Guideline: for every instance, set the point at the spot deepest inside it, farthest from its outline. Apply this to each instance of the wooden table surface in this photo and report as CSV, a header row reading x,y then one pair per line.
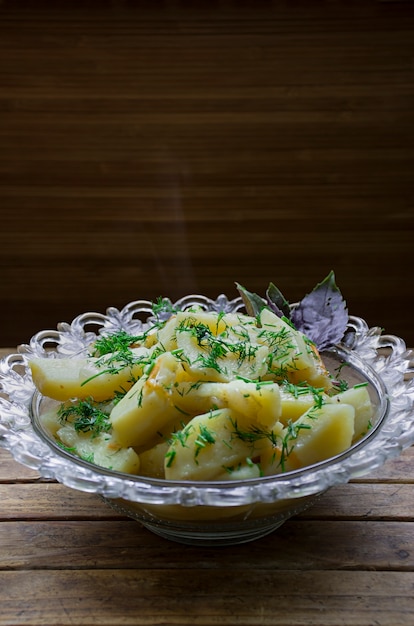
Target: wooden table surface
x,y
66,558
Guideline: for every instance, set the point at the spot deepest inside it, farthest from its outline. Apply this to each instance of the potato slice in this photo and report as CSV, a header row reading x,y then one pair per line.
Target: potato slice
x,y
217,351
316,375
166,335
243,471
287,349
259,402
148,406
152,460
66,378
101,450
291,355
206,448
318,434
293,406
360,399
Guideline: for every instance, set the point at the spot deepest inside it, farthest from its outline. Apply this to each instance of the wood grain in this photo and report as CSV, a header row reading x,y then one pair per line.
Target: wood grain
x,y
323,598
349,502
298,545
152,149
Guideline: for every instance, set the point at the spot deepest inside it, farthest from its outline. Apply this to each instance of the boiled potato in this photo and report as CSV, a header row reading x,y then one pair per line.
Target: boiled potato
x,y
214,350
166,335
102,450
293,405
66,378
291,356
320,433
152,460
260,401
148,406
207,447
316,375
208,396
360,399
242,471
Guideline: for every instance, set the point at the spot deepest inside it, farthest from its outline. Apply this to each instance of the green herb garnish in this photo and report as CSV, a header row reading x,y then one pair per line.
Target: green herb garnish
x,y
115,342
85,417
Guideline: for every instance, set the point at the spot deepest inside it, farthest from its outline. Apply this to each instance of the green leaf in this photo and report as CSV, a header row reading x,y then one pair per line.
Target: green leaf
x,y
253,303
277,302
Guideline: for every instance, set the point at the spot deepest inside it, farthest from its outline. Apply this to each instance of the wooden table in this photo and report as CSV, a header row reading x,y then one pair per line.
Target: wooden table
x,y
66,558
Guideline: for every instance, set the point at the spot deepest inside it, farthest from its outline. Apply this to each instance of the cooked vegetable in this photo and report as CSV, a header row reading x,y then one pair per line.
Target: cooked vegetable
x,y
100,378
207,395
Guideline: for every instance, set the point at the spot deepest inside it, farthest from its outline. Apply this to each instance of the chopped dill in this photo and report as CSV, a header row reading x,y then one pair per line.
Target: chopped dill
x,y
177,437
340,385
170,456
70,449
118,361
204,438
181,410
115,342
281,442
85,417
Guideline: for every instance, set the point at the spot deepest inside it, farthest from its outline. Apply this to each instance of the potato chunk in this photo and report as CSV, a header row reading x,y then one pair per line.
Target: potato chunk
x,y
291,355
206,448
259,401
320,433
216,350
66,378
152,460
102,450
148,406
293,405
360,399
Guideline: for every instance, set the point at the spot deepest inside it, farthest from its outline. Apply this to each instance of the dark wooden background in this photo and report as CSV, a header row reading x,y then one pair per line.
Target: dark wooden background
x,y
166,147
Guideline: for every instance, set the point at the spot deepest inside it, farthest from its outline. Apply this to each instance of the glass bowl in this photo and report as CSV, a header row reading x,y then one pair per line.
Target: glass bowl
x,y
219,512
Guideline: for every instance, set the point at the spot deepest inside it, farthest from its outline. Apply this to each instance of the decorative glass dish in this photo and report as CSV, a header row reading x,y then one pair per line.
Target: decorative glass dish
x,y
215,512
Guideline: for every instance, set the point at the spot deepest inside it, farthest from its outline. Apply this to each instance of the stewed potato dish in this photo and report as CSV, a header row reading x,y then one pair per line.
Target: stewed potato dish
x,y
202,396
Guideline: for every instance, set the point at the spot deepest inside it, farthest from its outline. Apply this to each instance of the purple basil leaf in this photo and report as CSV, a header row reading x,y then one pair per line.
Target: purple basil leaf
x,y
253,303
322,314
277,302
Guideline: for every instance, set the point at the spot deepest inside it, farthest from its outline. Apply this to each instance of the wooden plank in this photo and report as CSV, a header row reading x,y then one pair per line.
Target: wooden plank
x,y
173,9
79,207
267,98
297,545
152,596
359,501
355,501
51,501
5,351
11,471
